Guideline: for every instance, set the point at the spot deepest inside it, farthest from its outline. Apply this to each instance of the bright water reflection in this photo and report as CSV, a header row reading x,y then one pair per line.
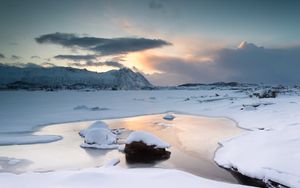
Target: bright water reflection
x,y
194,140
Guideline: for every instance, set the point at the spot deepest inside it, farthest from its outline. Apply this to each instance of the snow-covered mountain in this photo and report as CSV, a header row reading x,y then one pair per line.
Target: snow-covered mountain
x,y
12,77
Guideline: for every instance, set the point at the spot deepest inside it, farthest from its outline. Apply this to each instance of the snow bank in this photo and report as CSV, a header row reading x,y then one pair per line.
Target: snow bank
x,y
267,155
147,138
28,139
112,177
96,125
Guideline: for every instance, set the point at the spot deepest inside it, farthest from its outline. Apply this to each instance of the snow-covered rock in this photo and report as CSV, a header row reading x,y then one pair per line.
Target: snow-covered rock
x,y
169,117
271,156
147,138
100,136
266,93
95,125
248,108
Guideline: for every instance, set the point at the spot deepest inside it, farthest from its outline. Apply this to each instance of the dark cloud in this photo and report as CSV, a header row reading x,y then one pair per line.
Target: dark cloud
x,y
114,64
96,64
125,45
2,56
248,63
15,57
257,64
35,57
179,71
154,4
47,59
104,46
76,57
70,40
23,64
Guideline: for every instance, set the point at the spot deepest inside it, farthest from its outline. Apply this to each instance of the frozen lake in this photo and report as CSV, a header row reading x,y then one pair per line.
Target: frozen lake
x,y
194,140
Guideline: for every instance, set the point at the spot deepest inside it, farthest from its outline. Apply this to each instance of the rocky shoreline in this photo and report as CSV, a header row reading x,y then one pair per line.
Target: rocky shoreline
x,y
246,180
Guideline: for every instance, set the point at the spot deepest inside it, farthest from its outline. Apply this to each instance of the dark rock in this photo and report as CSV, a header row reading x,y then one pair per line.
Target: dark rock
x,y
246,180
139,152
267,94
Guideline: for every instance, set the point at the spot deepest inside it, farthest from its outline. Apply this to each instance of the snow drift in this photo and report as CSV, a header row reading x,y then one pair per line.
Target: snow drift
x,y
112,177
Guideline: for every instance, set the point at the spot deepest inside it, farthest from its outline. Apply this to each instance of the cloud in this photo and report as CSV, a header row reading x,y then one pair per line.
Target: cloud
x,y
15,57
103,46
153,4
114,64
23,65
35,57
118,58
257,64
176,71
96,64
76,57
2,56
247,63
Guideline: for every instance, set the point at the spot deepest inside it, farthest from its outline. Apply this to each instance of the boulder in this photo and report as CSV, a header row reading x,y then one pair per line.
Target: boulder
x,y
145,147
139,152
270,93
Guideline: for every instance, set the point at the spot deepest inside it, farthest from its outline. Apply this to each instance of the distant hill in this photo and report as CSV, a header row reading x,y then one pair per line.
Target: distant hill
x,y
232,84
218,84
37,77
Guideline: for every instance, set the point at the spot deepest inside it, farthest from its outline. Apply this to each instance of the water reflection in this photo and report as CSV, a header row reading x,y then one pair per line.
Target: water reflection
x,y
194,140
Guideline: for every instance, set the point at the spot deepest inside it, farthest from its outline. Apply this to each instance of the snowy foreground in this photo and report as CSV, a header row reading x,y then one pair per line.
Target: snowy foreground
x,y
110,177
269,152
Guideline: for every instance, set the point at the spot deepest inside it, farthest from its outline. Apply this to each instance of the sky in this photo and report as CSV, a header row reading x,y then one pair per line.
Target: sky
x,y
170,41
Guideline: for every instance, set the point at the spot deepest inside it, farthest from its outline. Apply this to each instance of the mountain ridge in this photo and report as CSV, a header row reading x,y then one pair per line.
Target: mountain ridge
x,y
37,77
